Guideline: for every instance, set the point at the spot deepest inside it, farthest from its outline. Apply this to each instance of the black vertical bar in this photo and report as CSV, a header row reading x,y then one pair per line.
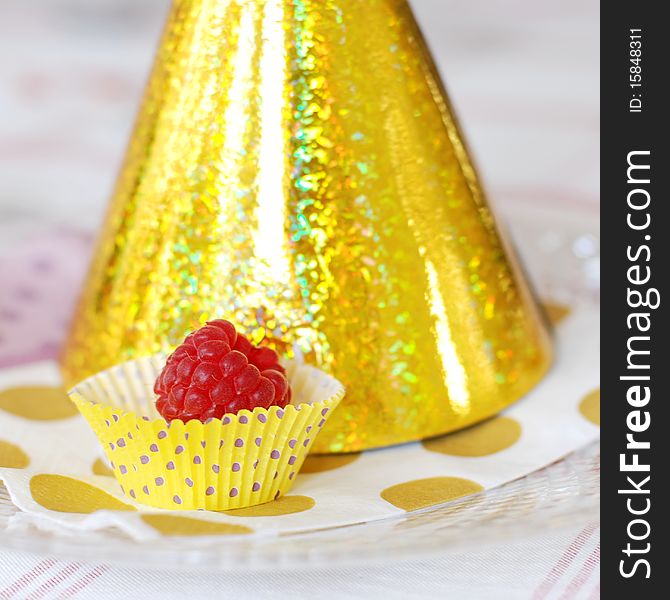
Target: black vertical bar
x,y
634,385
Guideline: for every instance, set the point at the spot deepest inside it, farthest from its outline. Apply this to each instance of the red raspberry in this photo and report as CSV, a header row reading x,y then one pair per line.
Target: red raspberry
x,y
217,371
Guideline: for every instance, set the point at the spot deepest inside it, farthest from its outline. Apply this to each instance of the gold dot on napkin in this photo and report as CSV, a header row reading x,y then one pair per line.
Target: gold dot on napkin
x,y
174,525
12,456
421,493
285,505
39,403
590,406
100,468
483,439
317,463
555,312
65,494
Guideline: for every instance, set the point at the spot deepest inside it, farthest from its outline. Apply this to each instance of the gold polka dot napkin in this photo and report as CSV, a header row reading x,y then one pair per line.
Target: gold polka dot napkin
x,y
54,469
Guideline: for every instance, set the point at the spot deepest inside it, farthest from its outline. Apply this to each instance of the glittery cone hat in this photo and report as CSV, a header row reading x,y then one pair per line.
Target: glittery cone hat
x,y
296,168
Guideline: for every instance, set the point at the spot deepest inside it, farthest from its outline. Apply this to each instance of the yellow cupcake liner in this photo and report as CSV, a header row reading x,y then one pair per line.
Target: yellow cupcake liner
x,y
240,460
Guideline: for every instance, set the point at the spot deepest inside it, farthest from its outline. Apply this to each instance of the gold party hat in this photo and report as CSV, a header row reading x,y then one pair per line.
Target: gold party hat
x,y
296,168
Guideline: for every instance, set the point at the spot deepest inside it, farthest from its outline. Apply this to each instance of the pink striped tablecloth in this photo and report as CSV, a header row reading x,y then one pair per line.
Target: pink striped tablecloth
x,y
551,567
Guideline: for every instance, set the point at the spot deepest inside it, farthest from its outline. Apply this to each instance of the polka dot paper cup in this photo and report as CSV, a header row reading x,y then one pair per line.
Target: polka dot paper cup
x,y
234,462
